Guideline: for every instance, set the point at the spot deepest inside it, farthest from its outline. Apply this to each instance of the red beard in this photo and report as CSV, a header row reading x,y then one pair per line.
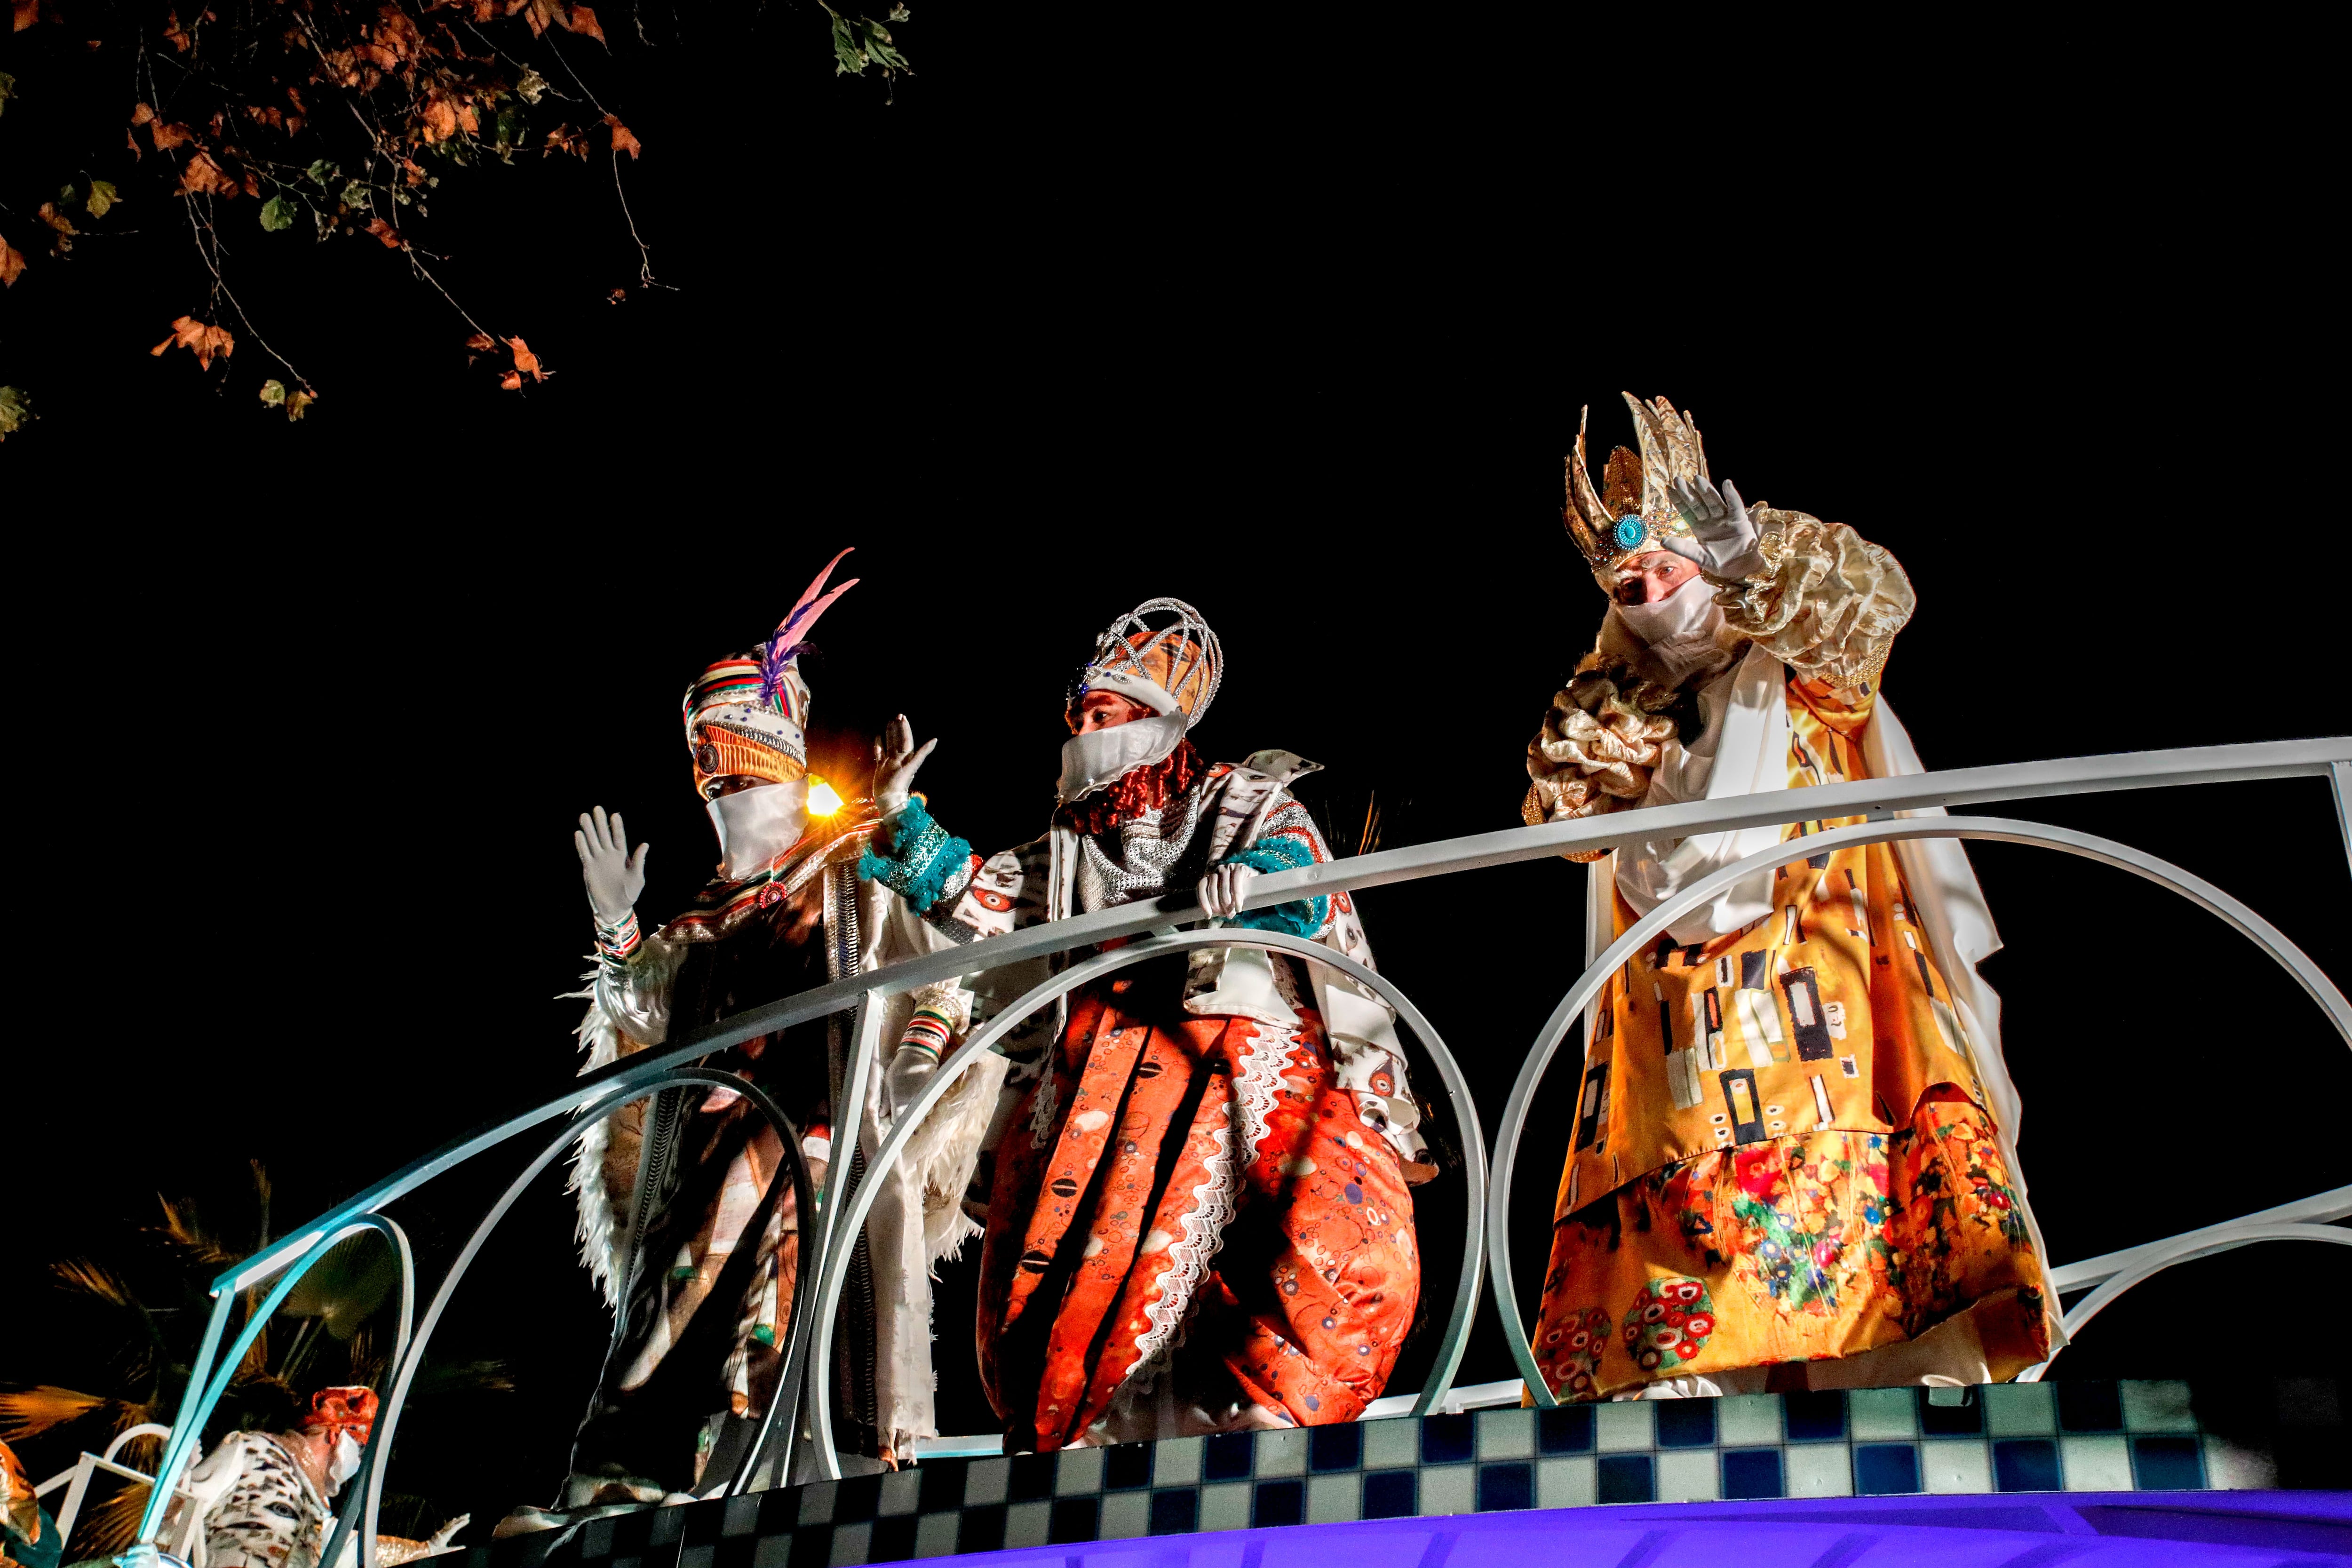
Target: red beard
x,y
1137,791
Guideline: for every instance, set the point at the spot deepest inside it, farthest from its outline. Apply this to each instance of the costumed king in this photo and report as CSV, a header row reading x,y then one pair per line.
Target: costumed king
x,y
686,1214
1198,1217
1793,1163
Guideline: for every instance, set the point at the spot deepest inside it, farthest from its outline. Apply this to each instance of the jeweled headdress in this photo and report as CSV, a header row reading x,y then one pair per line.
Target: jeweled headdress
x,y
747,715
1633,512
1170,667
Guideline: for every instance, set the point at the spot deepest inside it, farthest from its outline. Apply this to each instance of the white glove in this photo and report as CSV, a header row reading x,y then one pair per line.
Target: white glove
x,y
896,759
1224,888
909,1069
614,877
1722,541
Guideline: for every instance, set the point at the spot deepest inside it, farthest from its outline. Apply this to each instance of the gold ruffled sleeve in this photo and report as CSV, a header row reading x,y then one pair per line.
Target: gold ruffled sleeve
x,y
1827,604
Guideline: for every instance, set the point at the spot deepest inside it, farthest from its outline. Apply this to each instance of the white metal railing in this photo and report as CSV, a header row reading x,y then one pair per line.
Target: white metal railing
x,y
1878,800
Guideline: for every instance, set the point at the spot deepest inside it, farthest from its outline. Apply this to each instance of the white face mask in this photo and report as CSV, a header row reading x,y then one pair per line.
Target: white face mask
x,y
343,1463
1689,611
757,825
1093,758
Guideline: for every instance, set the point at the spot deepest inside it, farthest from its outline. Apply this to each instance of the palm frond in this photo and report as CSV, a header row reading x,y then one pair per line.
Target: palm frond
x,y
113,1525
29,1412
183,1229
85,1277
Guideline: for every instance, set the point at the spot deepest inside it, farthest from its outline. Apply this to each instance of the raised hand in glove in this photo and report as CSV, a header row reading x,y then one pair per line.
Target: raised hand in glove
x,y
897,758
1722,540
613,876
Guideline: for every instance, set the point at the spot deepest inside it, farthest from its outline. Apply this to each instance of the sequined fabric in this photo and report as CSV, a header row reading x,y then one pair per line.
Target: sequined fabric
x,y
1829,603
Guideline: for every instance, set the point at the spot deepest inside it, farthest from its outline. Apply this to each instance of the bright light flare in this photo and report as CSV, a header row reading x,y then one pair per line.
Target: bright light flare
x,y
824,800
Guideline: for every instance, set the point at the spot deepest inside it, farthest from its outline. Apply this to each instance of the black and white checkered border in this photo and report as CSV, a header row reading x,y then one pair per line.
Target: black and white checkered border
x,y
2082,1436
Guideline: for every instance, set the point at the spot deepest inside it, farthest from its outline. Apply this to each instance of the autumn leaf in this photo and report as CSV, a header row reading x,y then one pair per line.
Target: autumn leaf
x,y
273,393
12,263
28,13
526,361
279,212
564,139
385,232
440,121
102,195
510,382
50,215
168,136
173,34
481,342
622,142
15,410
7,89
581,19
617,296
202,340
140,114
204,177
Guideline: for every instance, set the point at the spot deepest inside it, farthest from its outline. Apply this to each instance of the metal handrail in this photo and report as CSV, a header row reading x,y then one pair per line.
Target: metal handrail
x,y
1877,798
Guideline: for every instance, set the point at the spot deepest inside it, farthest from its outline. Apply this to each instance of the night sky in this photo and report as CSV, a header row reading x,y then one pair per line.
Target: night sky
x,y
312,709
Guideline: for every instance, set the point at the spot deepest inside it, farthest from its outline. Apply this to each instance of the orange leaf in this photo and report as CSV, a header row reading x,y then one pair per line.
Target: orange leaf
x,y
440,121
171,135
617,296
581,19
173,33
622,141
385,232
12,263
564,139
206,177
133,143
510,382
204,341
481,342
525,360
28,13
50,215
140,114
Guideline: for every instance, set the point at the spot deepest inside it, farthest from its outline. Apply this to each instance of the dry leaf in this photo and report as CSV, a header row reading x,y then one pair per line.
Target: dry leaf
x,y
50,215
28,13
622,142
582,20
168,136
510,382
12,262
564,139
481,342
385,232
525,360
617,296
201,339
173,34
140,114
207,178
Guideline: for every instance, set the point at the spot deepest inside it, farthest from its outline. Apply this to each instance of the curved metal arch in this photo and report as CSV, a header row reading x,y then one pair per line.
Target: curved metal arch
x,y
371,1471
1457,1090
1989,828
205,1391
2186,1249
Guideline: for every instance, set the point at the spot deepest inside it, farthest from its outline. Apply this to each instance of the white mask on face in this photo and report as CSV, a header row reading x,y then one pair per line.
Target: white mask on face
x,y
1679,631
343,1463
757,825
1093,758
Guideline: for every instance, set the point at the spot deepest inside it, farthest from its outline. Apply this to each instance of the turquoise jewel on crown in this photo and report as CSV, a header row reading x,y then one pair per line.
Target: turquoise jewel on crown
x,y
1631,531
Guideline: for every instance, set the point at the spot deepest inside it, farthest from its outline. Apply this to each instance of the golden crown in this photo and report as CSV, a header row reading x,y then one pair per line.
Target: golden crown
x,y
1633,511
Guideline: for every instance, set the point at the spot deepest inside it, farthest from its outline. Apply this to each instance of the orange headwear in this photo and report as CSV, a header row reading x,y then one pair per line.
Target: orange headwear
x,y
747,715
1169,668
334,1411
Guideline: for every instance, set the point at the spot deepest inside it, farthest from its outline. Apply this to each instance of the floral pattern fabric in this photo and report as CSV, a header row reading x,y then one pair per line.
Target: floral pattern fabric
x,y
1787,1121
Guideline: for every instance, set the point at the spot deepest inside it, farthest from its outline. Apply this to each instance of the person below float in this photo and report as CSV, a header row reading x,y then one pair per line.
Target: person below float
x,y
1198,1219
712,1244
1792,1164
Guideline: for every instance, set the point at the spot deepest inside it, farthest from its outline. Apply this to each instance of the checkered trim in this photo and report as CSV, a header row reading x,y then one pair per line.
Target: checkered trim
x,y
2077,1437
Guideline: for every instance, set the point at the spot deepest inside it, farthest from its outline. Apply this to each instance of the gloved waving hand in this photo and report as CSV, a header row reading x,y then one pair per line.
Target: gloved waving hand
x,y
613,876
896,759
1722,540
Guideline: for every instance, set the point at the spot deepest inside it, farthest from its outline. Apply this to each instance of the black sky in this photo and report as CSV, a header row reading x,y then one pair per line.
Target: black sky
x,y
1295,328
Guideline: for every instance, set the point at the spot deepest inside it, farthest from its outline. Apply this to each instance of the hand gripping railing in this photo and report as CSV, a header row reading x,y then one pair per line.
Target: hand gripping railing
x,y
601,1092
